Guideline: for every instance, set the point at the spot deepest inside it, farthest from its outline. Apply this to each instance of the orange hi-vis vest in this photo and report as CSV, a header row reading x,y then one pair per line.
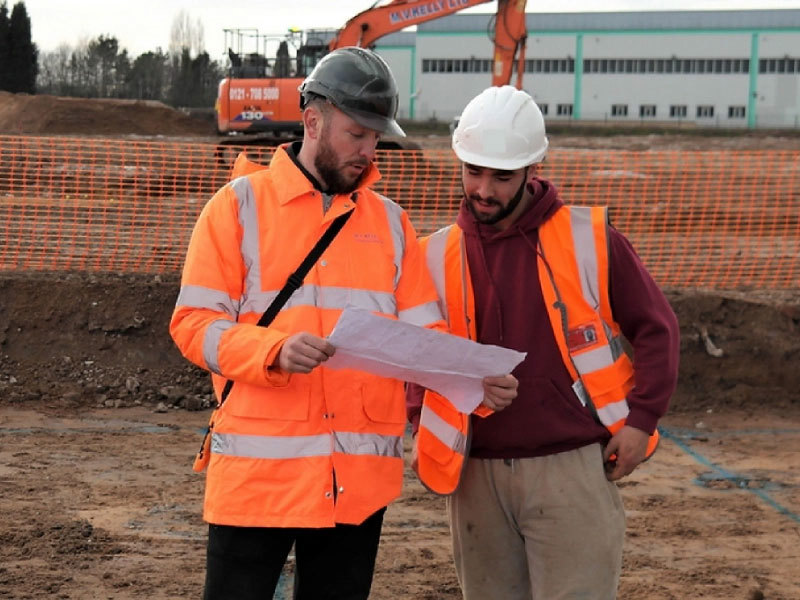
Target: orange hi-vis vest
x,y
298,450
573,273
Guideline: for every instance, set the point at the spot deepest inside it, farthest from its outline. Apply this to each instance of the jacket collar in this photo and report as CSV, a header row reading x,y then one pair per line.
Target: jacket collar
x,y
296,181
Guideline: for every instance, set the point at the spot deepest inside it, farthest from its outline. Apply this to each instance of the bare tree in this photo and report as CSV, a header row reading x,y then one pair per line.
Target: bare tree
x,y
186,34
55,73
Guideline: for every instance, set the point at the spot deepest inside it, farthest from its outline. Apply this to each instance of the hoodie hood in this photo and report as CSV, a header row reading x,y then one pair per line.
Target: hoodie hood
x,y
541,207
498,259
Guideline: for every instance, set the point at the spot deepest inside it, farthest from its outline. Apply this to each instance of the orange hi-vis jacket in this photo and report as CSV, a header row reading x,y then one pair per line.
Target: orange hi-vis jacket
x,y
298,450
573,273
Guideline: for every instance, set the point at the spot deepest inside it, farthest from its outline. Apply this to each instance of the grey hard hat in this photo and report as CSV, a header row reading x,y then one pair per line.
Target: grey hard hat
x,y
359,83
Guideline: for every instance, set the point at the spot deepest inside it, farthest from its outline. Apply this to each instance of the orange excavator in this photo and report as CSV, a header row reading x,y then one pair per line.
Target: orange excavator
x,y
261,95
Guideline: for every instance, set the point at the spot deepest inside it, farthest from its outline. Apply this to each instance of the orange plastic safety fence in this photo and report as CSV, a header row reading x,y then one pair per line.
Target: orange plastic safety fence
x,y
710,219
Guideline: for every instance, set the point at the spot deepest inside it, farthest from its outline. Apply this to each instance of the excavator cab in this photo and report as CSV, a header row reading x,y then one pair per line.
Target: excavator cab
x,y
260,96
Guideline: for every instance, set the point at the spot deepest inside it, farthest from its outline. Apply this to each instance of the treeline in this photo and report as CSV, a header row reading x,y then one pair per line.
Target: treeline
x,y
183,76
18,54
100,69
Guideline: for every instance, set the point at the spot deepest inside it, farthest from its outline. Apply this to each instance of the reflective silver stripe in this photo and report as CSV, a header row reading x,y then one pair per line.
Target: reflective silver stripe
x,y
615,344
434,255
325,297
443,431
211,343
303,446
394,214
202,297
248,220
422,315
262,446
611,413
368,443
585,254
593,360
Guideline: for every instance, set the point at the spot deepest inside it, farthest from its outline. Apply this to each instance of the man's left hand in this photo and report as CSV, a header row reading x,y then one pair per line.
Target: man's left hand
x,y
629,447
499,391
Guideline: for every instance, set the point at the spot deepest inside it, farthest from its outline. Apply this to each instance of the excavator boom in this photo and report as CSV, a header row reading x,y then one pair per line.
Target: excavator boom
x,y
368,26
266,98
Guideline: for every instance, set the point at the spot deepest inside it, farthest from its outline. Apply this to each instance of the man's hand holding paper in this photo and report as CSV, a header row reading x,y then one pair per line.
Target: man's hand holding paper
x,y
454,367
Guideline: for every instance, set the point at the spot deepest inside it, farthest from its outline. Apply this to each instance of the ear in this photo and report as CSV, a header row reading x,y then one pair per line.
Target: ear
x,y
312,121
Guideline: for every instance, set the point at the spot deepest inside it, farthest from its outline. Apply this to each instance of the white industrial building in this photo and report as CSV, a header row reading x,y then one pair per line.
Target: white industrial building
x,y
718,68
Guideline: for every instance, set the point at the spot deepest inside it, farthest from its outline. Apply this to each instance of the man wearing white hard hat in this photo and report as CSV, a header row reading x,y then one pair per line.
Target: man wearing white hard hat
x,y
532,498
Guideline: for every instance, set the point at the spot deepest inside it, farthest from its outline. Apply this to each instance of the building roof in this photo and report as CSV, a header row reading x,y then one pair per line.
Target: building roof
x,y
621,21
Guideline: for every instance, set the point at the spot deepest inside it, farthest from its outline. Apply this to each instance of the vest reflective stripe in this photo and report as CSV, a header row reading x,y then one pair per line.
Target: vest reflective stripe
x,y
310,295
585,255
394,214
257,446
434,253
371,444
202,297
421,315
594,359
613,412
324,297
211,340
304,446
443,431
446,257
248,221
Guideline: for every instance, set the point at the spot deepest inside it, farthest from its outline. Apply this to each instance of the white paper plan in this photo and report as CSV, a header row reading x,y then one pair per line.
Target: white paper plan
x,y
450,365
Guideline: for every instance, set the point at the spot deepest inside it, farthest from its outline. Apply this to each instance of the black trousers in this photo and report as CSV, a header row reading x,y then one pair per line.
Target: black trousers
x,y
336,563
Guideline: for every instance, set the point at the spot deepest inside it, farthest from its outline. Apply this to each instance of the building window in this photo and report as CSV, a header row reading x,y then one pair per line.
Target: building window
x,y
564,110
705,111
736,112
647,110
778,65
677,111
619,110
684,65
542,107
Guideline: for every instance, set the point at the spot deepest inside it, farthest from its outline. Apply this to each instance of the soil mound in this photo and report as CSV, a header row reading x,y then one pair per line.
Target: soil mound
x,y
55,115
89,340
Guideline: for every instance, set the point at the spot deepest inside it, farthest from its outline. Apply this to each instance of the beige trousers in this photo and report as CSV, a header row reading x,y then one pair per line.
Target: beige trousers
x,y
545,528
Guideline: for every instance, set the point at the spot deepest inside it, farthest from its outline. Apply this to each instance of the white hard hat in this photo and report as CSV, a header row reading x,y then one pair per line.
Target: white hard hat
x,y
501,128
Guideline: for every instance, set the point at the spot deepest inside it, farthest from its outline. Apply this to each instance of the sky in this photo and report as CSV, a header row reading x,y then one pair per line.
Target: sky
x,y
145,25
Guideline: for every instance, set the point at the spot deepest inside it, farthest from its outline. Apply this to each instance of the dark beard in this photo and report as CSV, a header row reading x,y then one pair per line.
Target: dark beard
x,y
329,169
504,211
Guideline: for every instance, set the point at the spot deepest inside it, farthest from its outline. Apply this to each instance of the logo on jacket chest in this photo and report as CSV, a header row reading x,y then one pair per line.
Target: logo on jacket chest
x,y
367,238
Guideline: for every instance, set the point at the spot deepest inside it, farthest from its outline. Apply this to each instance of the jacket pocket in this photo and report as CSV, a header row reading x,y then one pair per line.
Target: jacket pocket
x,y
383,400
287,403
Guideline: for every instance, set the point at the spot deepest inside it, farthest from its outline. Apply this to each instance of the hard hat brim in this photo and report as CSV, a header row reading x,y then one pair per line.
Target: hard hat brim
x,y
501,164
375,122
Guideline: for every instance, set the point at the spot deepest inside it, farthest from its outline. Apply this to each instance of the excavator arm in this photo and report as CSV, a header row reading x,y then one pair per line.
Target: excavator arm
x,y
377,21
510,33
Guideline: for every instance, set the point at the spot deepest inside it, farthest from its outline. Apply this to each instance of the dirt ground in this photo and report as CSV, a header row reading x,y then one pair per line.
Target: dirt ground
x,y
100,417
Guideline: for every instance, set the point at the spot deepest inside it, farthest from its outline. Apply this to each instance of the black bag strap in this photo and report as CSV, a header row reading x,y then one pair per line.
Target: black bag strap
x,y
294,281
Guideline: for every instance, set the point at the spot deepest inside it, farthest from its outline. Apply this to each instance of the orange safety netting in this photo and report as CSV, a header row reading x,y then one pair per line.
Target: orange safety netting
x,y
710,219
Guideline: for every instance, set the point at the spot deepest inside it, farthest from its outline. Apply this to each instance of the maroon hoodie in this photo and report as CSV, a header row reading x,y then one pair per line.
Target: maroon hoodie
x,y
547,417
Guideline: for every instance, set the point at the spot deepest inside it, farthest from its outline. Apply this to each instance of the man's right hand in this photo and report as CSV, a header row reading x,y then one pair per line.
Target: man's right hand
x,y
302,352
